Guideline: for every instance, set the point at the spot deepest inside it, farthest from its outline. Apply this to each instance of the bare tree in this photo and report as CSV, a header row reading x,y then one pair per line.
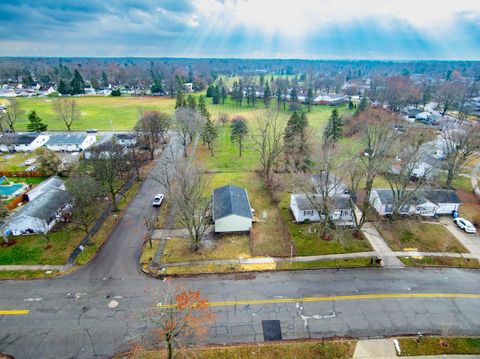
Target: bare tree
x,y
192,206
12,113
448,94
399,176
223,118
109,166
268,141
67,109
151,128
180,313
150,225
189,124
378,140
85,191
458,145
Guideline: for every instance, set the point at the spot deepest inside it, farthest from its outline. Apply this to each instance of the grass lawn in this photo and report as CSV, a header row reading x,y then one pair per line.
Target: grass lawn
x,y
148,253
422,237
440,261
291,350
28,180
225,247
460,182
269,236
307,240
439,346
27,274
30,249
338,263
14,161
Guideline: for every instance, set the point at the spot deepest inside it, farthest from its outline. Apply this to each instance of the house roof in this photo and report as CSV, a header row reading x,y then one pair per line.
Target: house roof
x,y
335,184
308,201
230,200
386,197
50,184
66,139
125,136
44,206
442,196
18,139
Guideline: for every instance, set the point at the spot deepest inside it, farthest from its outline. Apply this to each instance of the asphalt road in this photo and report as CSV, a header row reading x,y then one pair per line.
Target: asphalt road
x,y
69,317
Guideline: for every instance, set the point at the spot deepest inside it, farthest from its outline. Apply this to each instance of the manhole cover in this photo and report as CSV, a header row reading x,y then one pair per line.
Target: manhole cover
x,y
271,330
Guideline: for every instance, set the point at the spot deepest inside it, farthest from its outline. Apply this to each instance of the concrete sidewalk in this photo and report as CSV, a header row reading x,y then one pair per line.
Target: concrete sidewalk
x,y
383,251
60,268
385,349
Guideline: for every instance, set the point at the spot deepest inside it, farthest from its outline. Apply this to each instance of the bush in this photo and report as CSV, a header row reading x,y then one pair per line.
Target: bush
x,y
116,92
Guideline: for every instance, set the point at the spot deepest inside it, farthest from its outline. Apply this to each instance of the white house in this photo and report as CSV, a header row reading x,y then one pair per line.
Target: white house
x,y
332,100
231,210
426,203
22,142
335,186
50,184
39,215
70,142
126,139
305,207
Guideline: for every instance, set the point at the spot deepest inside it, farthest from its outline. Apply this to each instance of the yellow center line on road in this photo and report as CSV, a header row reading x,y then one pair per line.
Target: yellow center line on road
x,y
338,297
14,312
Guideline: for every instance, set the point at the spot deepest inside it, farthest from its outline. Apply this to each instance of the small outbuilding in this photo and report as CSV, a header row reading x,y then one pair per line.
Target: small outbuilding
x,y
231,210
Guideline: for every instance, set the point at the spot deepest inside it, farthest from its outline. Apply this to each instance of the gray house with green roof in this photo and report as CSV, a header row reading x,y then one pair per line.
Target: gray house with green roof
x,y
231,210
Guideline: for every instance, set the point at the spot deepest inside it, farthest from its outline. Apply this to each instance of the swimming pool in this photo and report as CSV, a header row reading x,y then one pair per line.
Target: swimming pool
x,y
8,190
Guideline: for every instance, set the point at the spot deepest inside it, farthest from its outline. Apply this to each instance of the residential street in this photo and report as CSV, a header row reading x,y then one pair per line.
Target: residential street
x,y
69,317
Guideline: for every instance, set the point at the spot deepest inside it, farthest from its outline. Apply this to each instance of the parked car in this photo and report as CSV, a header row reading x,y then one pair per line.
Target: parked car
x,y
464,224
30,161
157,201
92,130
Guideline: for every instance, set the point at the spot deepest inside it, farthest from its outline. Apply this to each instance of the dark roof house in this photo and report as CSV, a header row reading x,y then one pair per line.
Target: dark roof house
x,y
231,209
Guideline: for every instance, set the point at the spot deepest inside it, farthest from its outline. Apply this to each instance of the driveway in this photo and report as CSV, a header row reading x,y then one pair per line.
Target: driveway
x,y
470,241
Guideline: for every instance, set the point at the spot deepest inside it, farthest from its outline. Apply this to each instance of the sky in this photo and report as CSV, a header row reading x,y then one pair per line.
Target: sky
x,y
306,29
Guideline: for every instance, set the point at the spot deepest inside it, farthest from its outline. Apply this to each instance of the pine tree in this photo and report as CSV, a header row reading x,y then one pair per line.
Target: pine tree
x,y
62,88
35,123
309,99
238,132
209,134
202,107
361,106
334,129
278,95
216,95
223,94
293,99
180,101
297,151
191,102
104,81
77,85
266,95
210,90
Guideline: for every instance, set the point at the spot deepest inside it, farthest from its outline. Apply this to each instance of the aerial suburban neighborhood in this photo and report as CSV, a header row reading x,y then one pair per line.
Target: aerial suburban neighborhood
x,y
205,182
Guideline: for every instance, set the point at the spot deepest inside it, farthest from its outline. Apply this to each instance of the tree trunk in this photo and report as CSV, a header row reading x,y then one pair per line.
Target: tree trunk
x,y
114,201
240,148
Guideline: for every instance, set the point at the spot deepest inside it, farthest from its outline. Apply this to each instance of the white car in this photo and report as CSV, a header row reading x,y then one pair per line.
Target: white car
x,y
464,224
30,161
157,201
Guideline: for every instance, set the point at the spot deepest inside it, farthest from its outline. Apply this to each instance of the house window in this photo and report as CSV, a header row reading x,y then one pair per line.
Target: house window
x,y
308,213
404,208
388,208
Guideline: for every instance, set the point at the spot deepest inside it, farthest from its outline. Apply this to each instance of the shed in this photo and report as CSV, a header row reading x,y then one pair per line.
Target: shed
x,y
231,210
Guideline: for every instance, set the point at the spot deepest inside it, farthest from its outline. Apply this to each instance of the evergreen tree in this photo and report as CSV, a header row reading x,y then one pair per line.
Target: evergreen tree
x,y
334,129
180,101
293,99
104,81
361,106
216,95
35,123
238,132
210,90
266,95
209,134
63,88
297,151
223,94
116,93
278,95
309,99
191,102
77,85
202,107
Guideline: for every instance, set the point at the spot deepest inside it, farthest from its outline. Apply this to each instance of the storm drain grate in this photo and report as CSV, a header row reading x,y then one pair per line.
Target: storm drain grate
x,y
271,330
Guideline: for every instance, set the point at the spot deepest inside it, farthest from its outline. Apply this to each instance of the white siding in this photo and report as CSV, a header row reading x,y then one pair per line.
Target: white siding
x,y
233,223
24,223
447,208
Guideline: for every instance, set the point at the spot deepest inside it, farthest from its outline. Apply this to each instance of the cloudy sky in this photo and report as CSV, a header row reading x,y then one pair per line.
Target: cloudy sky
x,y
360,29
